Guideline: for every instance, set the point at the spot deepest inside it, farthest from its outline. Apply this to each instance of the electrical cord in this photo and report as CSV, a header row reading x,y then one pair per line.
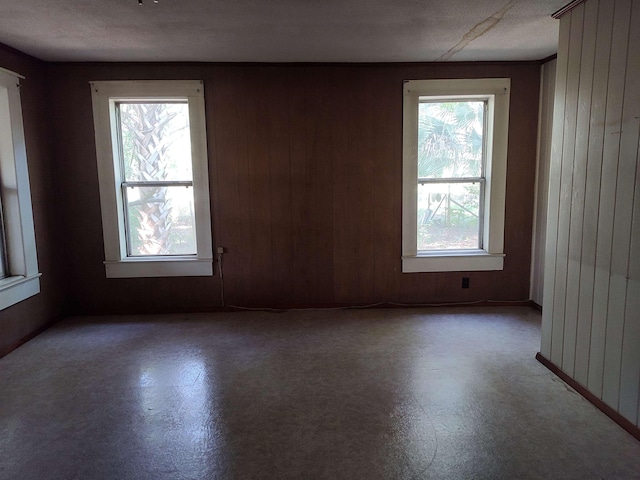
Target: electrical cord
x,y
221,277
348,307
372,305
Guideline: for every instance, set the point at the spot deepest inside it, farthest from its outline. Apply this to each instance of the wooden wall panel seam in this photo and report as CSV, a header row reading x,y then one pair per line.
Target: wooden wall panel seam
x,y
555,172
587,301
599,147
594,379
575,213
613,337
542,181
566,190
606,205
540,157
630,140
585,100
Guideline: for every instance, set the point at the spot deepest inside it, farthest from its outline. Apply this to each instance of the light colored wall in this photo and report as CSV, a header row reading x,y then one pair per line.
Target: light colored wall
x,y
547,94
591,312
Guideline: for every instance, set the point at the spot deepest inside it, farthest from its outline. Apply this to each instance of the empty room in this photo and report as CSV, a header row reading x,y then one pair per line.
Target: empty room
x,y
335,240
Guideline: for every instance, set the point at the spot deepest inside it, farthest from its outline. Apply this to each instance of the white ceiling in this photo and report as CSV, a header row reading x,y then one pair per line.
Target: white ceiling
x,y
281,30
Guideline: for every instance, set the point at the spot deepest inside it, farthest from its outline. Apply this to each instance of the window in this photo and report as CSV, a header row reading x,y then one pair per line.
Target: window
x,y
454,171
19,277
153,176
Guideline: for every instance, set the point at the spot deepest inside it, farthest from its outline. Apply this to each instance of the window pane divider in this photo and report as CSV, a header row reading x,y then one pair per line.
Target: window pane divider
x,y
452,99
151,101
422,181
158,183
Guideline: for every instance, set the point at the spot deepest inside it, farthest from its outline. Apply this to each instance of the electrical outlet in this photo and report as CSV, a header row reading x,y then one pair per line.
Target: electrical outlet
x,y
465,282
220,250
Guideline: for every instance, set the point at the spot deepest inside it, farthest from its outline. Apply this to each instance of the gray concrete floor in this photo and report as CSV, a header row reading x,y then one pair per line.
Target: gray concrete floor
x,y
357,394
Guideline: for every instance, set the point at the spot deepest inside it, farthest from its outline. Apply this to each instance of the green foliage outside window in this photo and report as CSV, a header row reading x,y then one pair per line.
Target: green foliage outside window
x,y
450,146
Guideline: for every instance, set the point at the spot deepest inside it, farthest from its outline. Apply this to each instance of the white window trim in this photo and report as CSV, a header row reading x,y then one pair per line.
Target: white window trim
x,y
22,259
491,256
105,94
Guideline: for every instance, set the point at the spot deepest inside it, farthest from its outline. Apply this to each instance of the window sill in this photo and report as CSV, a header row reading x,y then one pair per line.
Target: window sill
x,y
445,261
159,267
16,289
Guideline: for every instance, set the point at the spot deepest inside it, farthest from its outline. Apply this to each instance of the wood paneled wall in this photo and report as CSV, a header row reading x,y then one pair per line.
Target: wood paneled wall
x,y
545,127
591,313
20,321
306,165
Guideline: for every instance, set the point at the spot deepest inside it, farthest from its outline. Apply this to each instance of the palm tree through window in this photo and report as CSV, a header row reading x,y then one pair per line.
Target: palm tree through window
x,y
451,173
155,151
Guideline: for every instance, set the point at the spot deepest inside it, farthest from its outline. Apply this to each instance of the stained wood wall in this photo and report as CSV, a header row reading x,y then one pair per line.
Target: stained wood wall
x,y
545,125
306,187
20,321
591,312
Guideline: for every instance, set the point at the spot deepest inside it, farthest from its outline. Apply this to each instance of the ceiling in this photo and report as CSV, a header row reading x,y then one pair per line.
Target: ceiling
x,y
281,30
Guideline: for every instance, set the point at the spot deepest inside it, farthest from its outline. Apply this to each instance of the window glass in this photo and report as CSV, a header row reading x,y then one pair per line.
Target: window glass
x,y
448,216
450,138
450,150
155,141
155,150
160,220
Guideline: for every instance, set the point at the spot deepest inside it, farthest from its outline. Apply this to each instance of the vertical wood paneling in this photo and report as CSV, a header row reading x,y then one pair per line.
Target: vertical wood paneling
x,y
545,126
341,183
594,179
319,183
227,210
302,108
549,320
630,370
520,174
608,184
577,355
353,270
364,188
305,164
258,208
279,130
388,166
586,332
624,321
600,318
241,289
559,343
577,186
621,214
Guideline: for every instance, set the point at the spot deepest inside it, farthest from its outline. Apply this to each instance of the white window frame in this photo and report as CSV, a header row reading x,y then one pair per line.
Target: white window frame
x,y
20,241
105,96
491,256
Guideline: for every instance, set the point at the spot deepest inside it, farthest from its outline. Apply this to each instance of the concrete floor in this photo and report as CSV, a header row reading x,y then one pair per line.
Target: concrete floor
x,y
357,394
